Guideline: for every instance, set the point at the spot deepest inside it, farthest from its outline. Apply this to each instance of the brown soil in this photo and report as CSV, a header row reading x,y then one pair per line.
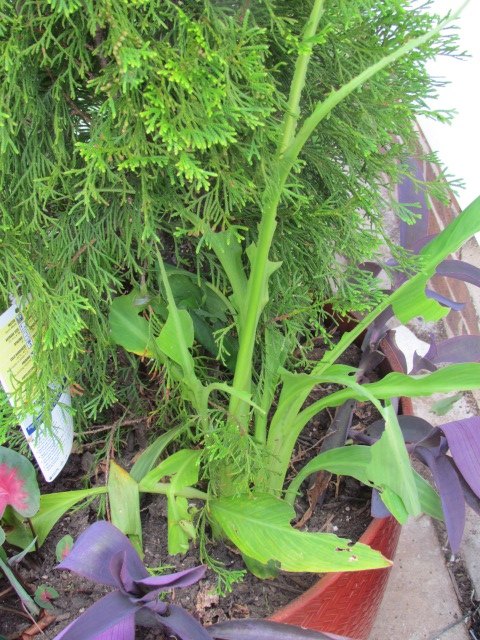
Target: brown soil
x,y
345,512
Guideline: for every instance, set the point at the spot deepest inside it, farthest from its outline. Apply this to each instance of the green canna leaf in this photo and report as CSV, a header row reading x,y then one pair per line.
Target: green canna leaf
x,y
54,505
124,500
128,328
259,525
410,301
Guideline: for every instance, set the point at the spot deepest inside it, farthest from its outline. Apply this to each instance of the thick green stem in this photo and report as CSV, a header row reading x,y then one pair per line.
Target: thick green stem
x,y
257,279
299,76
163,488
255,288
271,198
287,153
335,97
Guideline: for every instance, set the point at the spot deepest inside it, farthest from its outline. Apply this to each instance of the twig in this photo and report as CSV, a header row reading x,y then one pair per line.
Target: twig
x,y
5,592
15,611
76,109
83,249
99,39
115,425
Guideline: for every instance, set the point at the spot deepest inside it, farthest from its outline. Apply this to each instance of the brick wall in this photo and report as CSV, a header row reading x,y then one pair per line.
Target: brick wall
x,y
465,321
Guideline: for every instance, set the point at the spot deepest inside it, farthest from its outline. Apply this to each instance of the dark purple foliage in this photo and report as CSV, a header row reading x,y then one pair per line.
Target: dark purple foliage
x,y
450,490
446,302
105,555
378,509
460,270
463,438
415,430
414,237
265,630
457,477
453,350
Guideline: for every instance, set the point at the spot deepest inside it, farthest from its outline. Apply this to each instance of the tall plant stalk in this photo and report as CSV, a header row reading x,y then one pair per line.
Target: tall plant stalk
x,y
257,281
288,149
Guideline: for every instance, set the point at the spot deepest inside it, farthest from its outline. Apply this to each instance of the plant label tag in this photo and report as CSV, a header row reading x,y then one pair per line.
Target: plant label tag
x,y
409,344
51,447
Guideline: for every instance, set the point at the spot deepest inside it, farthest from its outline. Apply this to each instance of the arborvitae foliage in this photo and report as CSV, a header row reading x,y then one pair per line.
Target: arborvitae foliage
x,y
128,122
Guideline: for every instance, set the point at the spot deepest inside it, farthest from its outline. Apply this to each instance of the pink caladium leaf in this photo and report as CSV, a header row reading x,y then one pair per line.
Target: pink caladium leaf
x,y
18,484
44,594
63,548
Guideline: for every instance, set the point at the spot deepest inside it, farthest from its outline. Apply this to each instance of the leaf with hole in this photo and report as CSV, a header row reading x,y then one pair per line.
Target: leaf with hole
x,y
259,525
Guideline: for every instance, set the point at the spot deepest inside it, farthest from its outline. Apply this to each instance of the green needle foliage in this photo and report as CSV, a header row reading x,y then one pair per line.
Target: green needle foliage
x,y
184,148
131,121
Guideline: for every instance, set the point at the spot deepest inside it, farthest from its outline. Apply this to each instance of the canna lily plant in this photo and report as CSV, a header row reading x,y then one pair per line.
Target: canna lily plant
x,y
243,424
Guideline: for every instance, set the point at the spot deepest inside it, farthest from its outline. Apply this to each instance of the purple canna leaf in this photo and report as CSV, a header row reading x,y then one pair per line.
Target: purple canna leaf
x,y
104,554
369,360
94,551
446,302
253,629
377,329
417,245
464,441
450,490
453,350
421,364
106,614
378,508
180,623
174,580
459,270
471,498
456,350
414,429
124,630
121,575
427,360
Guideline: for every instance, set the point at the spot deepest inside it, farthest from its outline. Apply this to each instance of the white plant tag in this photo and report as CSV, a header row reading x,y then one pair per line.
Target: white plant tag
x,y
409,344
51,448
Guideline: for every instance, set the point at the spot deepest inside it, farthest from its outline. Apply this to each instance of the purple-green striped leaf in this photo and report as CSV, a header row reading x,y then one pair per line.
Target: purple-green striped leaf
x,y
450,490
464,441
253,629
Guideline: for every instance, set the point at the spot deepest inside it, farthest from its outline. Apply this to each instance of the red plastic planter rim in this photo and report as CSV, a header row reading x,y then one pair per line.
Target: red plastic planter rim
x,y
346,604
